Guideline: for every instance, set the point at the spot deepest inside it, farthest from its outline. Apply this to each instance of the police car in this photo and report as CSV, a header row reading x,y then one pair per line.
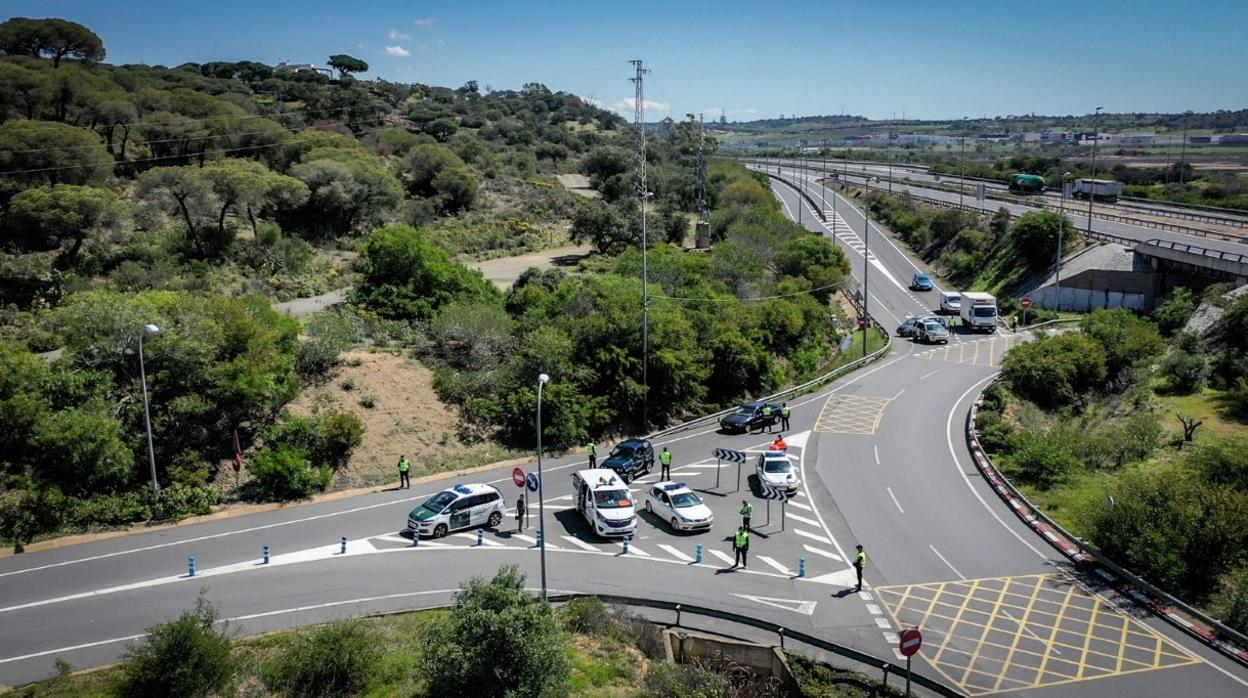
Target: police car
x,y
775,470
462,506
676,504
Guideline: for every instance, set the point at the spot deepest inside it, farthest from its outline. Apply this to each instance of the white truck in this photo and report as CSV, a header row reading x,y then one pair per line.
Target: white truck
x,y
979,312
1099,189
605,501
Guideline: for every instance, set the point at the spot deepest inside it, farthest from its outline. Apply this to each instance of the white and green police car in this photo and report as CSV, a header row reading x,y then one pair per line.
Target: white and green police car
x,y
460,507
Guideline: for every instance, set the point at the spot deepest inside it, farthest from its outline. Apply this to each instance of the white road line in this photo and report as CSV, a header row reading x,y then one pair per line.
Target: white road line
x,y
392,539
799,505
925,376
803,519
775,565
527,539
876,449
864,595
892,639
485,540
947,564
634,550
675,552
820,551
880,622
874,610
721,555
822,539
895,502
899,393
580,543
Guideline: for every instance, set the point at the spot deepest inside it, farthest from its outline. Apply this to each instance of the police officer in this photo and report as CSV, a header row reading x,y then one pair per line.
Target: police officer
x,y
740,546
519,513
591,450
404,466
767,417
860,564
747,510
784,417
665,459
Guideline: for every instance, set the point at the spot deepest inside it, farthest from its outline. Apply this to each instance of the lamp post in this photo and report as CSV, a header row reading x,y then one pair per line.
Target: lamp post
x,y
147,413
1061,211
866,261
542,379
1096,138
962,165
890,162
1183,147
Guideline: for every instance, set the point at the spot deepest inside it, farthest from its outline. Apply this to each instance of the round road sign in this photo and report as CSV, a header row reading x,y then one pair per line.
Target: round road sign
x,y
517,476
911,641
1025,302
532,482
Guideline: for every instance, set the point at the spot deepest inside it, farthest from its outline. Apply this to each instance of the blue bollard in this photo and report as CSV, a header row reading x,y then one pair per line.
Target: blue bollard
x,y
698,558
480,537
343,550
539,539
266,555
415,537
626,546
801,567
190,566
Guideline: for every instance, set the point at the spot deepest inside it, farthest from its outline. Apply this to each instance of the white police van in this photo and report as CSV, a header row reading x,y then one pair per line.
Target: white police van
x,y
462,506
605,502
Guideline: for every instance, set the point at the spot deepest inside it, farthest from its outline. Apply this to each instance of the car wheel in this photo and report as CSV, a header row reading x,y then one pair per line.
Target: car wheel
x,y
440,531
674,527
649,508
495,519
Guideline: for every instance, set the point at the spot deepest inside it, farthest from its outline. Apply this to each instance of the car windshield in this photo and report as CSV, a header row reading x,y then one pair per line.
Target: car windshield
x,y
622,450
681,500
985,311
745,410
438,502
922,277
777,466
934,327
612,499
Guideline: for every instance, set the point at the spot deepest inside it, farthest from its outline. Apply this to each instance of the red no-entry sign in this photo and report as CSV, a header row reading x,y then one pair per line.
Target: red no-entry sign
x,y
517,476
911,641
1025,302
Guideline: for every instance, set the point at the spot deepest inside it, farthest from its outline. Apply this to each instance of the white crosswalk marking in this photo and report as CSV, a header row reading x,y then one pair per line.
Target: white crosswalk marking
x,y
799,505
803,519
634,550
778,567
676,553
393,539
527,539
485,540
820,551
722,555
580,543
812,536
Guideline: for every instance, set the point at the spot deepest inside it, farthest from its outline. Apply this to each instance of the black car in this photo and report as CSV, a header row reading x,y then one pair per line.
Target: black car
x,y
749,417
630,459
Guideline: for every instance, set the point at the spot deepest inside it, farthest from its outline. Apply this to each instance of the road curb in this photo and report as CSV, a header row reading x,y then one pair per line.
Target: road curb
x,y
1074,550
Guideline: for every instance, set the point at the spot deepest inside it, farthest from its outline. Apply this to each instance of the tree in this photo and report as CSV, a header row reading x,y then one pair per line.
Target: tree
x,y
423,163
40,152
22,90
408,277
456,188
1173,313
47,217
1055,371
442,129
815,259
346,65
1034,237
52,38
81,451
602,225
349,190
189,656
1128,340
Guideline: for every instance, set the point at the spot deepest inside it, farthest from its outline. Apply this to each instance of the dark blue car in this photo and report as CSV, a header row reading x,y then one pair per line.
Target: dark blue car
x,y
921,282
630,459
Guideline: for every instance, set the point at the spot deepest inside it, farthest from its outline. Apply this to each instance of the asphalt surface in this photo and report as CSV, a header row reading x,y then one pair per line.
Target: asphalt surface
x,y
883,463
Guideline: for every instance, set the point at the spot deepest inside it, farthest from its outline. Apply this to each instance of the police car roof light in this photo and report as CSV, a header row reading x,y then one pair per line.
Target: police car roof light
x,y
675,486
461,489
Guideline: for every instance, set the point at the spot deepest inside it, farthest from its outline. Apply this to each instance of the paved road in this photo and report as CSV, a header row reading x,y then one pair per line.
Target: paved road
x,y
882,462
504,271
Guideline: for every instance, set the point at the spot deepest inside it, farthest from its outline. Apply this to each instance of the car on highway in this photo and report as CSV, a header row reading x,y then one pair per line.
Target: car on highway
x,y
679,506
921,282
775,470
749,417
910,326
932,332
950,302
630,459
457,508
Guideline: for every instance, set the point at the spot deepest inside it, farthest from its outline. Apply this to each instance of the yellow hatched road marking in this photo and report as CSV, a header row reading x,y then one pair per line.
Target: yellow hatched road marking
x,y
983,637
1053,635
949,637
1122,642
1087,642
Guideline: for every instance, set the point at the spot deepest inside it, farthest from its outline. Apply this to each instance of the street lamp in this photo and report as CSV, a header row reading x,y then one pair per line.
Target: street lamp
x,y
866,259
542,379
147,413
1096,138
1061,211
962,165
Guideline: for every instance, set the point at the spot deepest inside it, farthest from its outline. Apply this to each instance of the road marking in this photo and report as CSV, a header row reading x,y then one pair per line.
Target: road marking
x,y
795,605
633,550
820,551
776,565
882,623
799,505
722,556
895,502
527,539
675,552
876,449
392,539
484,540
873,609
899,393
803,519
925,376
580,543
947,564
821,539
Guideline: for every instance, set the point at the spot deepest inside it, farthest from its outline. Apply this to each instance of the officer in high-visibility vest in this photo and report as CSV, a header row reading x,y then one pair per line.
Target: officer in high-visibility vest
x,y
404,466
767,417
747,510
740,546
665,459
860,564
591,450
784,417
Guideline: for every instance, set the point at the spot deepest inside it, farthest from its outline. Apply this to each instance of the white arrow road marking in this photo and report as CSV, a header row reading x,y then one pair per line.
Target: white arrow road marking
x,y
846,577
803,607
776,565
580,543
675,552
819,551
812,536
798,440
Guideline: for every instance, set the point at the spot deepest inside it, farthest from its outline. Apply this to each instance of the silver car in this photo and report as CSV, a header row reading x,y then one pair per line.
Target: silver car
x,y
932,332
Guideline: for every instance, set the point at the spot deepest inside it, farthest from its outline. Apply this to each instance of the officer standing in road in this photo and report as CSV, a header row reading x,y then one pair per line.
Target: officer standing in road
x,y
740,546
784,417
519,513
860,564
767,417
404,467
665,459
747,510
591,450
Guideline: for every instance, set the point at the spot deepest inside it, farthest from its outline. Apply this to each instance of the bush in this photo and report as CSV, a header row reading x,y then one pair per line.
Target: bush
x,y
329,334
1043,458
1186,366
1222,461
337,659
1230,605
1055,371
1115,445
666,680
283,473
498,640
1127,339
326,439
995,434
183,658
1172,315
586,615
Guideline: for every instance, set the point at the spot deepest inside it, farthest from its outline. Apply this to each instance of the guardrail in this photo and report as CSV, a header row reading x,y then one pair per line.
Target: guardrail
x,y
802,193
781,632
1197,250
1214,633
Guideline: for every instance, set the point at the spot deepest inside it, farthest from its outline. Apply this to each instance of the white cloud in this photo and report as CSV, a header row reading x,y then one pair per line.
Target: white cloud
x,y
396,35
397,51
426,22
626,105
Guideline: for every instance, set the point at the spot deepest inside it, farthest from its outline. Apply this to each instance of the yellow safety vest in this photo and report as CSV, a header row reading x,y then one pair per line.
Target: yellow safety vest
x,y
747,509
404,466
742,539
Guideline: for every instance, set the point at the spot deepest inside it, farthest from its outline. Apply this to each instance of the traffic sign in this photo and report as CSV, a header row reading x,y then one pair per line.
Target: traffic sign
x,y
911,641
729,455
772,492
862,322
517,476
1025,302
532,482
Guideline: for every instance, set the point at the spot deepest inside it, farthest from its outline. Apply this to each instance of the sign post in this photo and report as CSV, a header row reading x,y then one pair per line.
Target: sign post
x,y
727,454
909,643
1025,303
518,478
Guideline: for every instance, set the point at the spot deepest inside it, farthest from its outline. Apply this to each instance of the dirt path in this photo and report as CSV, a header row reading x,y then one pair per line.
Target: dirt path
x,y
505,270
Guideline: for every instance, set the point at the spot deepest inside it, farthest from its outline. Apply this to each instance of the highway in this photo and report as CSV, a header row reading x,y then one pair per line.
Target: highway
x,y
883,462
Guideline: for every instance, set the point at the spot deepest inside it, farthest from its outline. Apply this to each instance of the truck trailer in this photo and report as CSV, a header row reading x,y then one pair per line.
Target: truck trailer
x,y
1098,189
978,312
1026,184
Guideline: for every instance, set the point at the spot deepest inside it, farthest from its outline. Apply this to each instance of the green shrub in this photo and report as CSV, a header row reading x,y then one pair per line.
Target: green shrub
x,y
326,439
586,615
1174,312
179,501
666,680
1056,371
283,473
333,660
1042,458
1186,366
1230,605
184,658
995,434
329,334
1222,460
367,401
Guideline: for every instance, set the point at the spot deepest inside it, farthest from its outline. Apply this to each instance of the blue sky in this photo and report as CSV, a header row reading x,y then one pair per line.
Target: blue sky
x,y
924,58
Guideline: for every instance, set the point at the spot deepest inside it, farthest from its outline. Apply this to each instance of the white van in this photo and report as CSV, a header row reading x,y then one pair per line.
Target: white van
x,y
605,502
462,506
